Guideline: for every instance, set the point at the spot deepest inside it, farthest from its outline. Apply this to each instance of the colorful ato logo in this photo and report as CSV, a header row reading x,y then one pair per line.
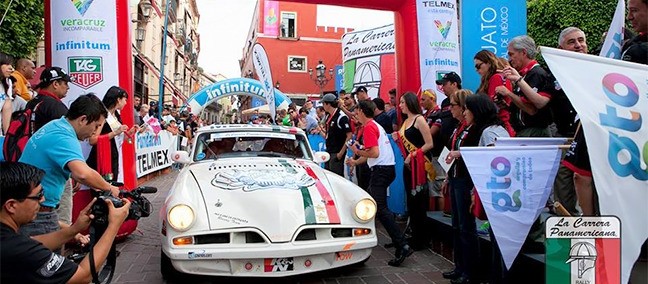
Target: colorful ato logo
x,y
583,250
444,30
82,5
87,71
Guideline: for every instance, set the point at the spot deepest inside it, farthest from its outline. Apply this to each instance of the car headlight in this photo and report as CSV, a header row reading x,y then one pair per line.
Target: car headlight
x,y
365,210
181,217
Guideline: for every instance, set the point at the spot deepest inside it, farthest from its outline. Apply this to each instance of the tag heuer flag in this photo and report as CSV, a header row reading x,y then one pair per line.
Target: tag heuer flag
x,y
611,99
583,250
513,184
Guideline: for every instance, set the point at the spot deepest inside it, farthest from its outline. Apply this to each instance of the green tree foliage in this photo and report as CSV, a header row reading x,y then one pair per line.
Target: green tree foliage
x,y
546,18
22,28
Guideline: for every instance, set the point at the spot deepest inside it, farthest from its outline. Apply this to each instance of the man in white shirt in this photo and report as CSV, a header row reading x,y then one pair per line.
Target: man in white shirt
x,y
380,157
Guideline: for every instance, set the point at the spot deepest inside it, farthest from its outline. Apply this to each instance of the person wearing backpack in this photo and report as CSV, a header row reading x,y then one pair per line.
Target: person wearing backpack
x,y
52,88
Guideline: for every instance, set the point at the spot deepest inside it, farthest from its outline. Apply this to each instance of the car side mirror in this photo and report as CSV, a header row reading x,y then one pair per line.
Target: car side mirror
x,y
181,157
321,157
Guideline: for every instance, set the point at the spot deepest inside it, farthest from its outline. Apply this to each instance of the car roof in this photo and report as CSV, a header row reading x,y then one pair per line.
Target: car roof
x,y
250,127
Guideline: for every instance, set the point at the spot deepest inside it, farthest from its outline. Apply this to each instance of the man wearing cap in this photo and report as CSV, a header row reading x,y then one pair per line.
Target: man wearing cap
x,y
338,132
361,94
445,124
52,88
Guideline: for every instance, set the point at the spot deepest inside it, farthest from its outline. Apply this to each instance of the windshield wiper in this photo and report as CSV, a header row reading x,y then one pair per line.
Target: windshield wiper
x,y
269,154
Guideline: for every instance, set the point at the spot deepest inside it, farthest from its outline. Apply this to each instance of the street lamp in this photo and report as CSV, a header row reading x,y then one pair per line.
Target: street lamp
x,y
320,77
146,6
163,61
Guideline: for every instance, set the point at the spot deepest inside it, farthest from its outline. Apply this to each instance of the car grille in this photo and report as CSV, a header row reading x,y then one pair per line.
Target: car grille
x,y
226,238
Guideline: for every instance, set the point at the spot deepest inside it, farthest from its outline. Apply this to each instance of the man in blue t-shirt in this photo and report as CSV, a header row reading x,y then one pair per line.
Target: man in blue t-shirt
x,y
55,149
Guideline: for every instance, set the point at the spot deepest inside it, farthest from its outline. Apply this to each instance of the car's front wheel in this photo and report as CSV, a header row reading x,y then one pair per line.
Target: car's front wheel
x,y
166,268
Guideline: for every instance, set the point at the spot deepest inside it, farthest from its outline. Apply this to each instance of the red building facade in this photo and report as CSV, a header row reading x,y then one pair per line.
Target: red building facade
x,y
294,43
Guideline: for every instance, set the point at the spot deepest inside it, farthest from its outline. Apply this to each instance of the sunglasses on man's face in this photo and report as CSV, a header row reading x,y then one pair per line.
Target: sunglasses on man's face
x,y
36,197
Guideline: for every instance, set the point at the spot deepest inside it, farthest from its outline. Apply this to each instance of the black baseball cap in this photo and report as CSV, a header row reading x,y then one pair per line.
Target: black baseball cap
x,y
361,89
52,74
449,77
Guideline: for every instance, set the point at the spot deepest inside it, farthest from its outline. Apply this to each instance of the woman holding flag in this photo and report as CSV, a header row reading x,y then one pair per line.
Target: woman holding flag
x,y
479,126
415,141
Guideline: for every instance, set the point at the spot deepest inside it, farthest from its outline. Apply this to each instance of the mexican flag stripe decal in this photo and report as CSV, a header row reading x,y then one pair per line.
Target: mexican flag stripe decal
x,y
583,261
331,210
309,211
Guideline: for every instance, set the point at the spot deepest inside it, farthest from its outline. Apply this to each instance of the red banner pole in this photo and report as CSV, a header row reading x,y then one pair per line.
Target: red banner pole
x,y
125,55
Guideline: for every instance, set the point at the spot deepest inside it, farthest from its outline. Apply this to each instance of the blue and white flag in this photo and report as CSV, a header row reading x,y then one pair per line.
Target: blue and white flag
x,y
514,184
614,38
262,67
611,101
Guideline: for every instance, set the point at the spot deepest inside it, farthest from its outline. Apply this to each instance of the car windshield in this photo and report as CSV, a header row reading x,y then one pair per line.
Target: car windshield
x,y
212,146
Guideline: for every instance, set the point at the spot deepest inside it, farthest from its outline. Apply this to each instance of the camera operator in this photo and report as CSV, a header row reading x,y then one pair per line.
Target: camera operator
x,y
31,260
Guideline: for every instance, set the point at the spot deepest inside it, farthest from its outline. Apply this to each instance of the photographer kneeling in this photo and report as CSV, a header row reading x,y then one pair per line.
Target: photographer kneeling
x,y
31,260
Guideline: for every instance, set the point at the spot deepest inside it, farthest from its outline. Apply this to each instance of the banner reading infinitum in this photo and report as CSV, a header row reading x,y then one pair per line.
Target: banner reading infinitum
x,y
91,40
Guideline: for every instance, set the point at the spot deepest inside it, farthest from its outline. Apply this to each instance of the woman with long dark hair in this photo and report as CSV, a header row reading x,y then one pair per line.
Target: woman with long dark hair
x,y
108,162
415,141
487,65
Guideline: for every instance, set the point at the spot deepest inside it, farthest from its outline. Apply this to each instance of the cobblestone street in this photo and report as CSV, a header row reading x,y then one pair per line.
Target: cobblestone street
x,y
139,261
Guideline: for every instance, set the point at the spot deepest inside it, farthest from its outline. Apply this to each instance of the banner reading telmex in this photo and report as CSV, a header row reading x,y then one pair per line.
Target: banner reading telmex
x,y
369,61
611,99
438,42
513,184
153,151
84,43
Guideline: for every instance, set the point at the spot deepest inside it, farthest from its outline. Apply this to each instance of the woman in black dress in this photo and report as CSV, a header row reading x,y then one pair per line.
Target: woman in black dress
x,y
114,100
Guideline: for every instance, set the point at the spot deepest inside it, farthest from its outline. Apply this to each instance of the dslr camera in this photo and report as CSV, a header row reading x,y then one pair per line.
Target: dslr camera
x,y
140,205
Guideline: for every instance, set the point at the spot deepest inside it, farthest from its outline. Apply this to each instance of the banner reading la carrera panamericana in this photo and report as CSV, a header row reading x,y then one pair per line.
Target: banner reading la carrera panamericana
x,y
154,151
84,43
513,184
438,42
611,99
369,61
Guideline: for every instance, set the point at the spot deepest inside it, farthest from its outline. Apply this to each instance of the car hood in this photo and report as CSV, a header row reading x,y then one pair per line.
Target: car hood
x,y
276,196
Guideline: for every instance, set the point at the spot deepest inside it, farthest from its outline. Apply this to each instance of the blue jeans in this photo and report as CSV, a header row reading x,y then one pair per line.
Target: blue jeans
x,y
45,222
463,226
381,178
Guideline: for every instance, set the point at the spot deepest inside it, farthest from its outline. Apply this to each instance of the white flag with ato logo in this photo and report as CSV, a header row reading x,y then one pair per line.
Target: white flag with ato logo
x,y
611,98
513,184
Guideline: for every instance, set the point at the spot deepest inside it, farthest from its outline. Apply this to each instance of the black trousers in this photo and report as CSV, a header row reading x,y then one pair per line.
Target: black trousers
x,y
381,178
417,207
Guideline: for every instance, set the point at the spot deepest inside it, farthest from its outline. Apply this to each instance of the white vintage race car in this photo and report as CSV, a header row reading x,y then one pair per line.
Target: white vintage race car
x,y
253,201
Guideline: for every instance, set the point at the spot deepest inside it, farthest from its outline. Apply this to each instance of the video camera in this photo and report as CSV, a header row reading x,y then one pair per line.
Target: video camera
x,y
140,205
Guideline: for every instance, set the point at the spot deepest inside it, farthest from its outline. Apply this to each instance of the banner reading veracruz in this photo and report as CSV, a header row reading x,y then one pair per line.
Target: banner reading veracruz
x,y
611,99
438,42
84,42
